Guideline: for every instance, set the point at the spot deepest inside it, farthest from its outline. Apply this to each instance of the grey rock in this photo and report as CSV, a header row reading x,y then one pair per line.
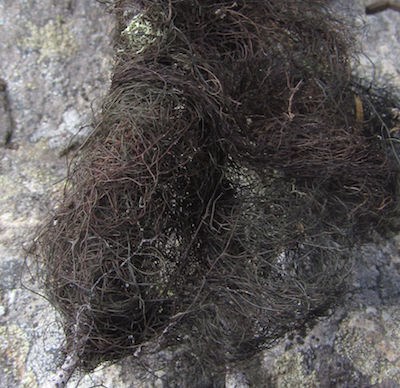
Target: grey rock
x,y
56,59
356,346
377,40
55,56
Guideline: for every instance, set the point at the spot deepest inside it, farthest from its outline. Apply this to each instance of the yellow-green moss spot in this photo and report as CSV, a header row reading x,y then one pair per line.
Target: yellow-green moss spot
x,y
53,40
290,372
140,33
372,342
14,349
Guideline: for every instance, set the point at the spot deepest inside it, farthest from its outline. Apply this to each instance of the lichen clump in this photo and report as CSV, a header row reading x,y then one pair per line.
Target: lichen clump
x,y
140,33
364,339
214,207
14,350
53,40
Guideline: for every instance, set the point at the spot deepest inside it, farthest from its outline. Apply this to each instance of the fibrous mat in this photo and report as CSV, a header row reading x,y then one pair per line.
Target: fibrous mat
x,y
235,163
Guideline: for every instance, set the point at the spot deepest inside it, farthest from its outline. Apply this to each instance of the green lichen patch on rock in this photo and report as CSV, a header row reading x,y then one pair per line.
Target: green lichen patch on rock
x,y
140,33
14,349
371,339
27,174
53,40
290,372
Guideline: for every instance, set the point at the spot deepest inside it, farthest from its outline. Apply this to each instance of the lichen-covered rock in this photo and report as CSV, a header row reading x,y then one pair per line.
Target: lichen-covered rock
x,y
357,345
29,174
378,43
140,33
55,60
370,338
290,370
53,40
14,350
55,57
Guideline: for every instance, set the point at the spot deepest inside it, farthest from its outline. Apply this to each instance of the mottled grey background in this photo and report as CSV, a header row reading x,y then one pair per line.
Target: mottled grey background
x,y
56,60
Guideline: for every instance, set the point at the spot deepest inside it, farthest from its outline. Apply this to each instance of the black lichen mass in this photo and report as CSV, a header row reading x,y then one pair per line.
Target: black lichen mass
x,y
234,165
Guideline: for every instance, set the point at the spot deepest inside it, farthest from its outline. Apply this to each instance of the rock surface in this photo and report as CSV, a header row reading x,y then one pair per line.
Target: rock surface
x,y
56,60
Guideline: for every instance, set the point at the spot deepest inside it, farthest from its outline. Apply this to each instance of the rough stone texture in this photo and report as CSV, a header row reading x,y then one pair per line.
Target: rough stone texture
x,y
55,58
380,43
358,344
378,40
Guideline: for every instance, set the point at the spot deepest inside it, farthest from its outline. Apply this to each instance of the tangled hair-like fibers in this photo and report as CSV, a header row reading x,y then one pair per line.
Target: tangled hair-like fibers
x,y
234,165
